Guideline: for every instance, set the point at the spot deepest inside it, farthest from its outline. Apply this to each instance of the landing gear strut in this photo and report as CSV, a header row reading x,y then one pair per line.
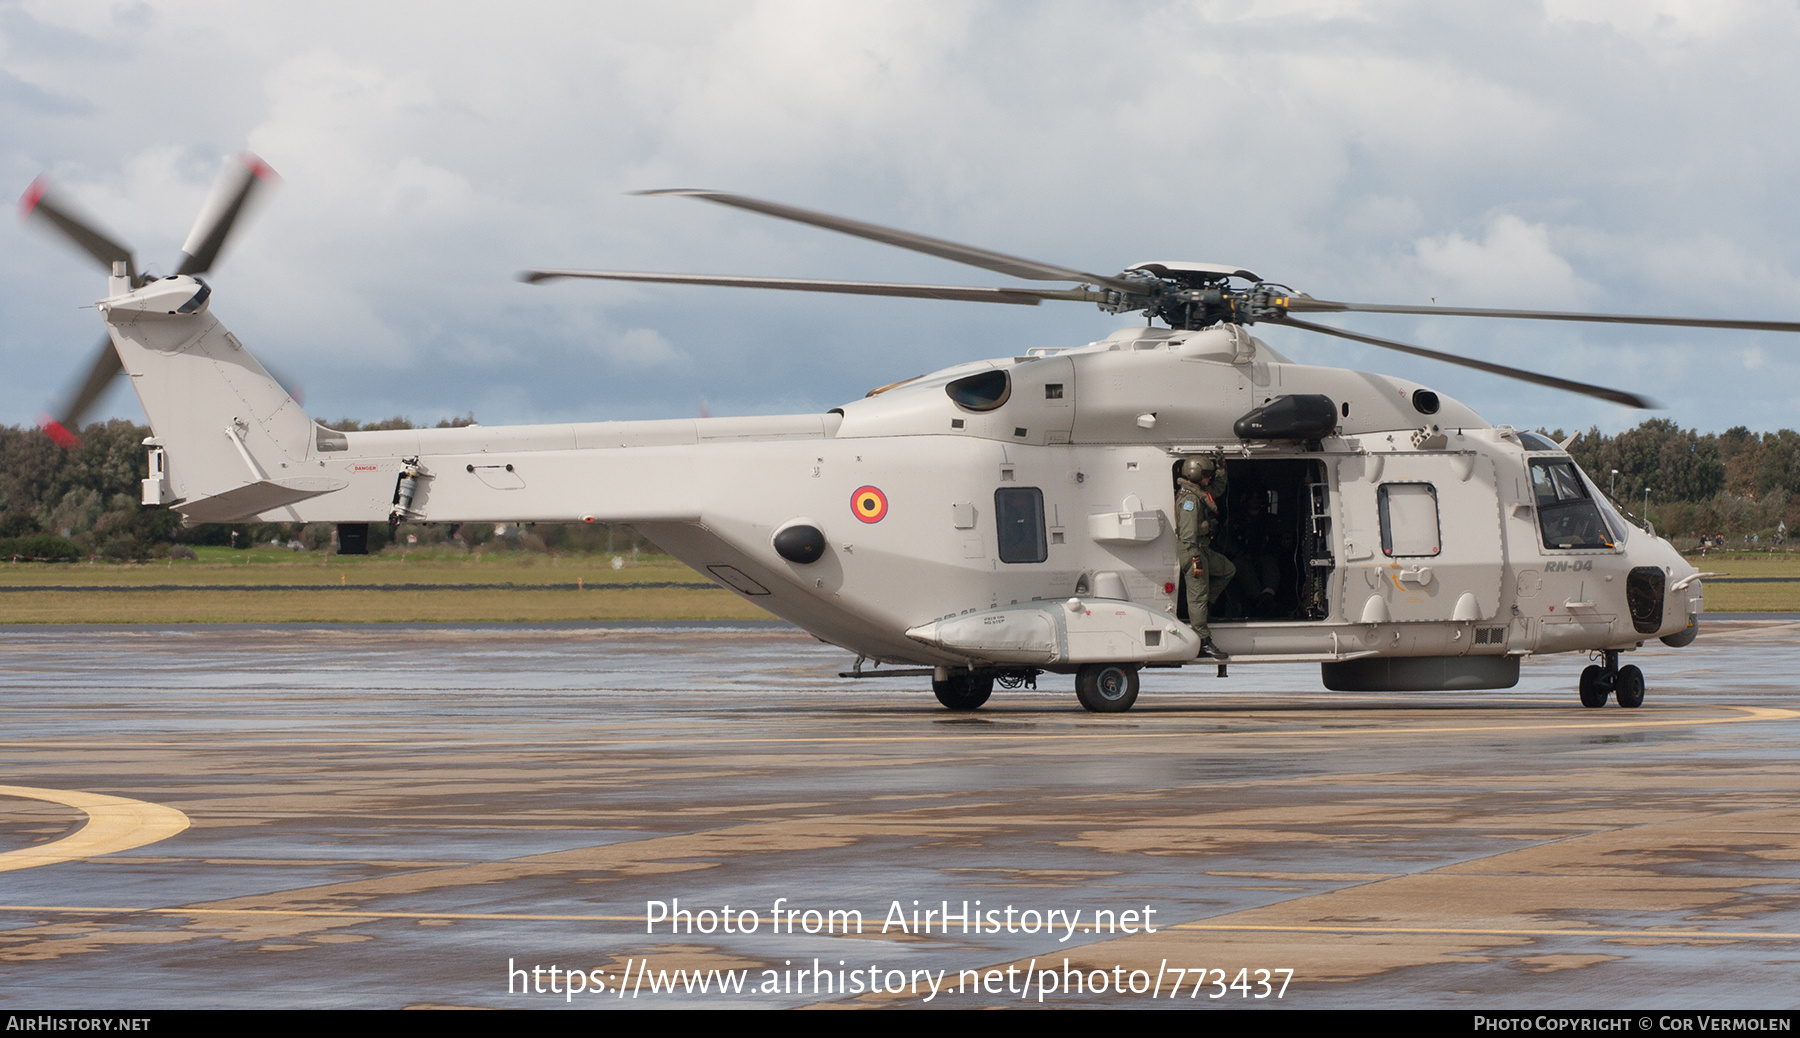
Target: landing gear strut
x,y
1607,678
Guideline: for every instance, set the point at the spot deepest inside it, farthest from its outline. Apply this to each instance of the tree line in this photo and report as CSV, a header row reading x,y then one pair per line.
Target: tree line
x,y
85,502
1735,484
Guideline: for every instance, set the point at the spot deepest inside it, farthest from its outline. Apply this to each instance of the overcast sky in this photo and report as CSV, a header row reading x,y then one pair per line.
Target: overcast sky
x,y
1632,156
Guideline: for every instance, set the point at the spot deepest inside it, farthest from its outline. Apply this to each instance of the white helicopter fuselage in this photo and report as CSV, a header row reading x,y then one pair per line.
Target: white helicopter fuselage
x,y
1035,533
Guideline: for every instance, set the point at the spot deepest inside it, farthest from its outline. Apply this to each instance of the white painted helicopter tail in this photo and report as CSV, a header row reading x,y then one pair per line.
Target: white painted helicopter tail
x,y
230,441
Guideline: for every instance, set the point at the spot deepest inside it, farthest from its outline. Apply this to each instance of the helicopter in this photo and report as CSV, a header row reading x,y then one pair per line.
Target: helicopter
x,y
999,519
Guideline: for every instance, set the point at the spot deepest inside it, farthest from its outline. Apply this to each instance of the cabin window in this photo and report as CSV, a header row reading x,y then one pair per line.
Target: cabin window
x,y
1019,513
1409,520
1567,514
982,391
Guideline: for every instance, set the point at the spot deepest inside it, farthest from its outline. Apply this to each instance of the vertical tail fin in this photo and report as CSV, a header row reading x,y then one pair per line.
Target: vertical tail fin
x,y
235,443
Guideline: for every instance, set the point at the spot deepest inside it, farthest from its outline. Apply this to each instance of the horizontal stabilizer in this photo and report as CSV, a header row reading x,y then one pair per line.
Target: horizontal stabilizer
x,y
251,500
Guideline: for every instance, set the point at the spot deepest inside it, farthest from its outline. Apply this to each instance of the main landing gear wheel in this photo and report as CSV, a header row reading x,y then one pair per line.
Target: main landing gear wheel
x,y
1594,686
1629,689
963,691
1106,688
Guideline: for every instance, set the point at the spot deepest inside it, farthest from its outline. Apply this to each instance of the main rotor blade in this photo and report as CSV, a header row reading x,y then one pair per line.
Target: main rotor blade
x,y
1617,396
212,227
1307,304
1031,270
39,201
104,368
968,293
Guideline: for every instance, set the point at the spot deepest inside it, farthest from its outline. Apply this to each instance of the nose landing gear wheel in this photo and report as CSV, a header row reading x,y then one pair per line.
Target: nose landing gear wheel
x,y
1607,678
1594,687
963,691
1106,688
1630,690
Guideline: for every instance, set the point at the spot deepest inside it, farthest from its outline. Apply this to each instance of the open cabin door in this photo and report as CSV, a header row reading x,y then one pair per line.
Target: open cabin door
x,y
1421,538
1277,532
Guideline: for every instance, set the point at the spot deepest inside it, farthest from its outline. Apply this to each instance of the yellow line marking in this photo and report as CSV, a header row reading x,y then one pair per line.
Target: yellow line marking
x,y
1746,713
114,824
1711,935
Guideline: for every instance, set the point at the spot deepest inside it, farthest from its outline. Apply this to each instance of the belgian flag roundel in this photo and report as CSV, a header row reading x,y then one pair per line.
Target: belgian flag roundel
x,y
869,504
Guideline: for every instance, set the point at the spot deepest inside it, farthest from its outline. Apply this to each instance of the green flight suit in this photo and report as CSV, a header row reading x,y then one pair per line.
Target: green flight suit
x,y
1199,518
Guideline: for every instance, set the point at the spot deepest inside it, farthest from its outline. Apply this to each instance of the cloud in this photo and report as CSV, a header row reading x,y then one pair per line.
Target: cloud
x,y
1667,25
35,99
1618,156
1513,261
645,348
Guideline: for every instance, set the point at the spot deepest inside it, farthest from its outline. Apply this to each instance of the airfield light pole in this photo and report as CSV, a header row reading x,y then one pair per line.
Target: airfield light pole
x,y
1612,484
1646,504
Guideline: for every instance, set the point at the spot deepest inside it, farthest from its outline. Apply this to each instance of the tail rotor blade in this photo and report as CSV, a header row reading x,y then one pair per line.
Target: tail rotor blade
x,y
101,372
236,186
42,204
293,387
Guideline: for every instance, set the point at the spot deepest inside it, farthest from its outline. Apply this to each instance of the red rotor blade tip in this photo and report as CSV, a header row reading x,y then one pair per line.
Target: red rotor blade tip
x,y
33,194
60,436
262,169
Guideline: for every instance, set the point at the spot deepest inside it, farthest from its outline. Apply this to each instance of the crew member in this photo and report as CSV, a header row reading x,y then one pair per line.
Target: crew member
x,y
1199,516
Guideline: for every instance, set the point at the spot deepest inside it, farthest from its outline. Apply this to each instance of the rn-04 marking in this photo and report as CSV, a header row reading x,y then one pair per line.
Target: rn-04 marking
x,y
1572,566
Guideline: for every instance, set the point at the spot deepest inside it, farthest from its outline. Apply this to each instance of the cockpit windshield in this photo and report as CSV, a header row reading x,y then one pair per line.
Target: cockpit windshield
x,y
1621,529
1567,513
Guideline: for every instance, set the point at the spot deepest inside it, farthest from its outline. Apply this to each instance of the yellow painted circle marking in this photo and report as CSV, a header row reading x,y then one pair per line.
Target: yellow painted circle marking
x,y
114,824
1080,729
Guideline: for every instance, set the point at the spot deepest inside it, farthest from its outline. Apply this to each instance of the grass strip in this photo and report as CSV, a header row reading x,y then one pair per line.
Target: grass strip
x,y
357,605
125,588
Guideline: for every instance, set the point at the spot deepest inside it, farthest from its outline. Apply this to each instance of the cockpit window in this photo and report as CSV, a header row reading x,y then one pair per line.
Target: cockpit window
x,y
1567,514
1533,442
982,391
1621,530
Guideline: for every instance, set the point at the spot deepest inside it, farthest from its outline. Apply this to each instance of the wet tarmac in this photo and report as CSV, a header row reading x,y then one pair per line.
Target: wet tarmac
x,y
382,817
